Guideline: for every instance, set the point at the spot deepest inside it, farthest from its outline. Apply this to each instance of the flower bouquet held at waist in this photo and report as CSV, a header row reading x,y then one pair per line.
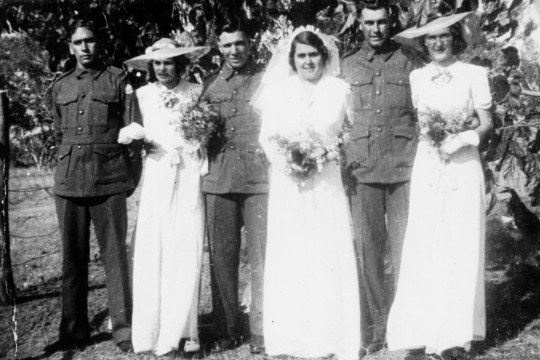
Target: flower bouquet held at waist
x,y
304,155
436,127
196,122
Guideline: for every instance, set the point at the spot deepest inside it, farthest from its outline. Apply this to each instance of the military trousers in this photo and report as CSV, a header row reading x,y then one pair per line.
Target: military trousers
x,y
225,216
108,215
379,213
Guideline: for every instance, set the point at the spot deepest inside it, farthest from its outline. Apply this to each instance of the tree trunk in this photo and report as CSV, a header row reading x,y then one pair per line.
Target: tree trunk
x,y
7,285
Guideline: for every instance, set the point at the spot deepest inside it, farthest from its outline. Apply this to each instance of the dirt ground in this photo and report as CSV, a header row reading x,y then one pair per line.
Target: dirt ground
x,y
512,285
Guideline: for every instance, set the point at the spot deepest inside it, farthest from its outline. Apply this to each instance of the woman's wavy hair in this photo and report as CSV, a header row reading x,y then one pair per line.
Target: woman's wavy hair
x,y
311,39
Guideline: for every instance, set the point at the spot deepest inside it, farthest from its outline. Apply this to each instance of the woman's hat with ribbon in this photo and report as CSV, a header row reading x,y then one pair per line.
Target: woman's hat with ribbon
x,y
166,48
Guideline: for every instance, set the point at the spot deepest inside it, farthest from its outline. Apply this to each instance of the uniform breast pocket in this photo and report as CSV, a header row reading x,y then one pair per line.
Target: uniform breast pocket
x,y
220,102
361,93
398,91
105,107
67,103
109,164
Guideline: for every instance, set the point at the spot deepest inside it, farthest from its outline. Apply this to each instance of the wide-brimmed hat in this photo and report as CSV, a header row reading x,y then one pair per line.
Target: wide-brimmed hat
x,y
166,48
434,25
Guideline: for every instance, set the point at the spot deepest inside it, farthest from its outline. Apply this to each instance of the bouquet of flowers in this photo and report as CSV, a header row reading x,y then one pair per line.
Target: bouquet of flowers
x,y
304,155
196,122
436,127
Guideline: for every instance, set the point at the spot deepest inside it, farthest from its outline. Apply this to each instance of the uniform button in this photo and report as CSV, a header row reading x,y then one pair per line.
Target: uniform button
x,y
234,111
378,92
81,112
378,111
83,95
235,92
379,129
233,128
231,147
378,73
79,146
79,128
400,82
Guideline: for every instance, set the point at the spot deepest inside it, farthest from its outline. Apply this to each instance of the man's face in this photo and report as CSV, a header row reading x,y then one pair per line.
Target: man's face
x,y
84,47
375,26
235,48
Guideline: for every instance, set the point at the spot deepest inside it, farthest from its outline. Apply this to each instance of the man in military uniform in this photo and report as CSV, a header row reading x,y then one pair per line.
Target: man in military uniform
x,y
379,161
90,104
235,189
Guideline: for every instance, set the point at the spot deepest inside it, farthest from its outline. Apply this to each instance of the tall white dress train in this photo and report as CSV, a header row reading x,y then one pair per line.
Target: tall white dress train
x,y
311,296
169,233
439,302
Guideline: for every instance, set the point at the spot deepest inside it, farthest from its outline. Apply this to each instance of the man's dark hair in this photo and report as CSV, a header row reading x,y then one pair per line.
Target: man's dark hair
x,y
229,22
373,5
89,25
311,39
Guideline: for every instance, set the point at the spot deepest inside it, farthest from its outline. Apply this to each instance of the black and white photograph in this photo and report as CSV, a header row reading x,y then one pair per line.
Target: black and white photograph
x,y
270,179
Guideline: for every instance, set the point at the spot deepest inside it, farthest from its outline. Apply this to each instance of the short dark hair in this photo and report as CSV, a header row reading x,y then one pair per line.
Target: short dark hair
x,y
311,39
229,22
373,5
88,24
458,41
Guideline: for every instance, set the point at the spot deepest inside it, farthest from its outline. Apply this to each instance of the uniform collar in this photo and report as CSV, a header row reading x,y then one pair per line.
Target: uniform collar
x,y
227,72
93,72
385,52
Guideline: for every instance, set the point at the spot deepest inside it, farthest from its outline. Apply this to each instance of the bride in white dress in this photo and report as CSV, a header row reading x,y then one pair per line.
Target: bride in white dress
x,y
170,224
439,304
311,296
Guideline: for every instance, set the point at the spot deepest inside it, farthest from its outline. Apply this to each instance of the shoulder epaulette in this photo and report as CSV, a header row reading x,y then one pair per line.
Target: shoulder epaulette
x,y
114,70
349,53
64,74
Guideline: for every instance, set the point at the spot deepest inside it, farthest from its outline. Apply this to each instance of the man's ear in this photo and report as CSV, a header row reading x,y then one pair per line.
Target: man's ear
x,y
71,49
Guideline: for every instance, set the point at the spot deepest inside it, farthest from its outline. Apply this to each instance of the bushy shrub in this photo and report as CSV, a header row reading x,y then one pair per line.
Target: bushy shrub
x,y
25,74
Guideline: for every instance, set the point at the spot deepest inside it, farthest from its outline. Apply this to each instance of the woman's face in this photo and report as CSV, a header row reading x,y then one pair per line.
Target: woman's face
x,y
309,62
439,45
166,72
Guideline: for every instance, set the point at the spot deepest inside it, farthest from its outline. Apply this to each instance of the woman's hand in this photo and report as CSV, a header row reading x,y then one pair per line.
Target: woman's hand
x,y
455,142
131,132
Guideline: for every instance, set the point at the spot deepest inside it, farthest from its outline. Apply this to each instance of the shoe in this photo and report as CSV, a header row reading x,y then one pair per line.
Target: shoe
x,y
255,349
125,346
375,347
226,343
66,344
415,354
192,346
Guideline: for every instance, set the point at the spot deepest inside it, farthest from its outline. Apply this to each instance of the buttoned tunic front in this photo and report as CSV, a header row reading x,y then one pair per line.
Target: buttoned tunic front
x,y
89,108
237,162
383,135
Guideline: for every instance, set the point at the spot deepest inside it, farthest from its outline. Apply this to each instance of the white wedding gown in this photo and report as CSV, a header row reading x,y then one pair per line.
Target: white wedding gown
x,y
169,232
311,296
439,302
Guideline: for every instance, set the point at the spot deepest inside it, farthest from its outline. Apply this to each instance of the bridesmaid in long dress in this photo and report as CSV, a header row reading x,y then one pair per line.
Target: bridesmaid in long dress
x,y
170,225
311,304
439,305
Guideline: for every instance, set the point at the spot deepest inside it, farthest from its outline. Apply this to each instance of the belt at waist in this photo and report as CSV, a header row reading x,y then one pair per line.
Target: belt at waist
x,y
90,139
